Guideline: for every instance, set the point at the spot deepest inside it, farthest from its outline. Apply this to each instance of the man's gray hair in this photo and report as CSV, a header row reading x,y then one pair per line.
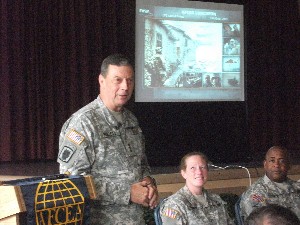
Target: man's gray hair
x,y
114,59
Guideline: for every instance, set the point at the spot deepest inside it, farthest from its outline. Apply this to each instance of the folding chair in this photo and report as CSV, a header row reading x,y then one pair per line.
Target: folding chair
x,y
237,210
157,217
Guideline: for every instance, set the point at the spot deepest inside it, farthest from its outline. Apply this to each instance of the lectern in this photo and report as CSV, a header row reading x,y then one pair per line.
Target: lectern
x,y
50,200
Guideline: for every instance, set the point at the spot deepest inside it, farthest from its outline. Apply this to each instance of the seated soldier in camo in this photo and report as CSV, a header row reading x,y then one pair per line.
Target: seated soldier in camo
x,y
274,187
192,204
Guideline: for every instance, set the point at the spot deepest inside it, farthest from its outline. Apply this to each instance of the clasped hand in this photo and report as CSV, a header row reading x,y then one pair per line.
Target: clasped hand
x,y
144,193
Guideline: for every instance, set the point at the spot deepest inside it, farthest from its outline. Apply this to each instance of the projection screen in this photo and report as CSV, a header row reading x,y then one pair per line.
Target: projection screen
x,y
189,51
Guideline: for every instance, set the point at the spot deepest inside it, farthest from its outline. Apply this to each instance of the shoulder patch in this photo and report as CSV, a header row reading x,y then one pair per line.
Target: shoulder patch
x,y
171,213
75,137
135,130
257,198
66,154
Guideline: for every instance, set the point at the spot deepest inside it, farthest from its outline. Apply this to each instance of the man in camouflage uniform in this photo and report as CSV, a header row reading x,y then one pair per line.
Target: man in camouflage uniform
x,y
275,187
104,139
192,204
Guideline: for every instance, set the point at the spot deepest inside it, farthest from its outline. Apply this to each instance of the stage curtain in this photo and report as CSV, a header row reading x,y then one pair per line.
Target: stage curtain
x,y
51,53
273,86
50,59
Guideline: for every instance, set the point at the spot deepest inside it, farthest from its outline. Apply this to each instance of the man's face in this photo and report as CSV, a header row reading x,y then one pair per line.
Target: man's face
x,y
276,165
117,87
195,173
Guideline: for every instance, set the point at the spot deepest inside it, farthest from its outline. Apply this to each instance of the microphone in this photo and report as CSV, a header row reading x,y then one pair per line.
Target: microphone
x,y
210,164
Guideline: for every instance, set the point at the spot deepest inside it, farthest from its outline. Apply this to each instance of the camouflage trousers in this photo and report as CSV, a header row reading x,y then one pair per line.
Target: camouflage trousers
x,y
117,215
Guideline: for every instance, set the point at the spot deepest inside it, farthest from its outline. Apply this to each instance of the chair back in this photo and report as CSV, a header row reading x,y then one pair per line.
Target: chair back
x,y
237,210
157,217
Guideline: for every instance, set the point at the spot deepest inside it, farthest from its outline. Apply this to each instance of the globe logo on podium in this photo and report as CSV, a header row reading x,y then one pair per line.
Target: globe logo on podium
x,y
58,202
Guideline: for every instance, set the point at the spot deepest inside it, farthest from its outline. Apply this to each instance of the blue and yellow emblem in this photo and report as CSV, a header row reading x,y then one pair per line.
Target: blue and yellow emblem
x,y
59,202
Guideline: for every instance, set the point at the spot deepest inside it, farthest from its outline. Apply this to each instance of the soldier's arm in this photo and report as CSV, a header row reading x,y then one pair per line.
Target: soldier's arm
x,y
253,198
74,156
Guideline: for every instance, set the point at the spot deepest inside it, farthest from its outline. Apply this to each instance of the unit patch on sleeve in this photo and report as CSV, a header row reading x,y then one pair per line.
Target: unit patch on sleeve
x,y
75,137
66,154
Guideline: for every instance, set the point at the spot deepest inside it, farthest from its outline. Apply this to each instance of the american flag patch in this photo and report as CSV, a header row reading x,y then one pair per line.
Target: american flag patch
x,y
171,213
75,137
258,198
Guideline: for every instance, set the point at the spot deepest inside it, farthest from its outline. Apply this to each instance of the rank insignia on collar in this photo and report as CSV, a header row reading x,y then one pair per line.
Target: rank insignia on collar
x,y
171,213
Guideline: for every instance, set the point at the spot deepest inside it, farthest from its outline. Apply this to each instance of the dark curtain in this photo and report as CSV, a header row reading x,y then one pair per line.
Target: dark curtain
x,y
51,53
50,57
273,84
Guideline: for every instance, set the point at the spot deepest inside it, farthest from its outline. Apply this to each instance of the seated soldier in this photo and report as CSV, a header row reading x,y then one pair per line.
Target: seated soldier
x,y
274,187
192,204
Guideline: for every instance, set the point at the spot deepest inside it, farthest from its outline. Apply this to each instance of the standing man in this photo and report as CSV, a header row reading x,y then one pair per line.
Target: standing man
x,y
275,187
104,139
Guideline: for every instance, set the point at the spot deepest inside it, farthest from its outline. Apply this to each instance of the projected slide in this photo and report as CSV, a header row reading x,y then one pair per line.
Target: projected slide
x,y
189,53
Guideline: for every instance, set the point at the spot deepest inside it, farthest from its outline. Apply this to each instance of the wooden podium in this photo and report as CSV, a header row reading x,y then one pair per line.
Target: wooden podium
x,y
13,206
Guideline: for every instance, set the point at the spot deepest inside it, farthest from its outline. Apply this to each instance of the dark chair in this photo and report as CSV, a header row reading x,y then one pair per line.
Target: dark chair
x,y
230,199
157,217
237,210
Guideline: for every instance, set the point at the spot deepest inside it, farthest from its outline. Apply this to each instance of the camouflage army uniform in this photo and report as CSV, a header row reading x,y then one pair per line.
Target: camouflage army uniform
x,y
184,208
264,192
93,142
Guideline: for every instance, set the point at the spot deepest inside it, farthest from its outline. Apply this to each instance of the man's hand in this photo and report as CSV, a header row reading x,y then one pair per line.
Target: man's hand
x,y
144,193
139,193
152,196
